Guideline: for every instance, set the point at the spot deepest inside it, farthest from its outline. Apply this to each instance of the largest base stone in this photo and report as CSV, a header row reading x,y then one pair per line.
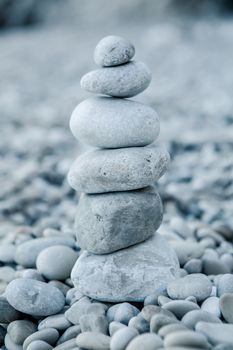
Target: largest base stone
x,y
129,274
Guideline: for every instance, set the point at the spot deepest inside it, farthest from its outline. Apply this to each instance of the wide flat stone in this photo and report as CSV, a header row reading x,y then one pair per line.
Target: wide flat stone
x,y
109,122
129,274
124,169
111,221
126,80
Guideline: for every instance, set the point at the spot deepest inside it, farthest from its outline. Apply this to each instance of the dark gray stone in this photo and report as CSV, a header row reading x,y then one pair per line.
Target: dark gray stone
x,y
19,330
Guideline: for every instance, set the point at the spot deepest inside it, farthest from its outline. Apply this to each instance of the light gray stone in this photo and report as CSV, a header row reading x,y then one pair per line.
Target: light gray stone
x,y
107,122
67,345
56,262
193,266
146,341
211,305
93,341
197,285
7,274
27,252
226,306
170,328
160,320
34,297
150,310
112,221
49,335
127,80
94,323
214,266
7,253
58,322
113,50
128,274
122,337
225,284
19,330
39,345
122,313
33,274
186,338
115,326
139,323
180,307
187,250
69,333
10,345
216,333
78,309
193,317
123,169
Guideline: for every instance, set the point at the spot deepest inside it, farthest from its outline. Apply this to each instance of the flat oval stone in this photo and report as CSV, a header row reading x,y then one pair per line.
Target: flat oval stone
x,y
56,262
111,221
197,285
21,329
39,345
186,338
146,341
27,252
49,335
211,305
121,169
127,80
58,322
226,306
108,122
180,307
113,50
34,297
128,274
193,317
216,333
170,328
122,337
93,341
67,345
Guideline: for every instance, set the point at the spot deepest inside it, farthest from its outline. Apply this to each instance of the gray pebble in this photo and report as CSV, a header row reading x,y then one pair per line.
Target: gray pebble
x,y
8,313
7,273
67,345
93,341
122,313
56,262
34,297
193,317
19,330
150,310
115,326
227,259
193,266
126,80
33,274
180,307
145,341
187,250
197,285
214,267
112,221
226,306
107,122
186,338
170,328
140,324
94,323
159,321
69,333
225,284
180,226
152,299
162,300
118,283
27,252
59,285
123,169
49,335
7,253
58,322
39,345
211,305
122,337
113,50
10,345
78,309
216,333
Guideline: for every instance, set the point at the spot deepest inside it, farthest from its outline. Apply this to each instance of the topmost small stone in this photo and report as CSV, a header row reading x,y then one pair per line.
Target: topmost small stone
x,y
113,51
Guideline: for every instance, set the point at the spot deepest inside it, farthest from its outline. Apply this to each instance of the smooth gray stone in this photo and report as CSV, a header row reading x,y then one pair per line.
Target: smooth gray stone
x,y
225,284
122,313
139,323
58,322
122,337
19,330
223,347
112,221
107,122
214,266
115,326
127,80
193,317
10,345
93,341
197,285
78,309
113,50
211,305
59,285
49,335
152,299
187,250
7,274
162,300
123,169
150,310
7,253
146,341
186,338
193,266
128,274
7,312
216,333
69,333
39,345
34,297
27,252
56,262
33,274
67,345
180,307
160,320
226,306
94,323
170,328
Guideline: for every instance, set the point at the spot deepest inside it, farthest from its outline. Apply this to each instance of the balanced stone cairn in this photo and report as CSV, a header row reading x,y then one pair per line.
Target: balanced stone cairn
x,y
119,210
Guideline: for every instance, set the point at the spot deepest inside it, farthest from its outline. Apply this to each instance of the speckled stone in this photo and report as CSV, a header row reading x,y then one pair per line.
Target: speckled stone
x,y
128,274
113,50
112,221
126,80
107,122
124,169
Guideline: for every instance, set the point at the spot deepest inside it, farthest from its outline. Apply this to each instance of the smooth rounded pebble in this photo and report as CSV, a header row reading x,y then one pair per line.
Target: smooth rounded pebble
x,y
187,250
211,305
115,326
146,341
107,122
216,333
113,50
56,262
197,285
193,317
140,324
93,341
27,252
21,329
122,337
39,345
170,328
7,253
214,266
160,320
226,306
7,312
34,297
58,321
180,307
122,313
10,345
94,323
225,284
111,277
111,221
70,333
68,345
122,169
49,335
150,310
126,80
186,338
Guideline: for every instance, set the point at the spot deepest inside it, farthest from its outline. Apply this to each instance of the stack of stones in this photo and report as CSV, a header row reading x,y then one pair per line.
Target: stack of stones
x,y
119,209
